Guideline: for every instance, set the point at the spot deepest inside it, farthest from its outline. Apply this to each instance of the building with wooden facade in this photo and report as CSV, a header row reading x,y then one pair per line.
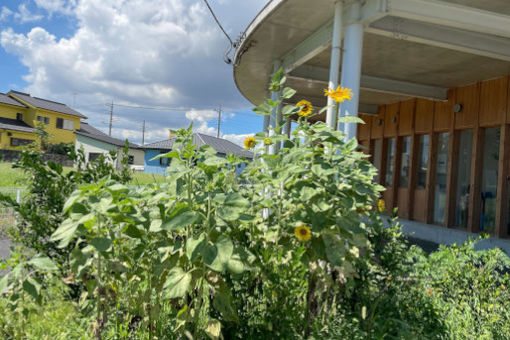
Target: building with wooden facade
x,y
430,79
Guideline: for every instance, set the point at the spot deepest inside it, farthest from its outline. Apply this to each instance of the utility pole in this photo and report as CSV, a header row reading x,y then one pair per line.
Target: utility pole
x,y
143,133
111,119
219,123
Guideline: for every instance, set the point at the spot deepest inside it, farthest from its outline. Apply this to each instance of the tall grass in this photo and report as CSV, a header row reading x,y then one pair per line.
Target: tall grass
x,y
10,177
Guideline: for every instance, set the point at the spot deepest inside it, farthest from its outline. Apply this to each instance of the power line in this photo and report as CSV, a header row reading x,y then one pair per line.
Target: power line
x,y
233,44
219,24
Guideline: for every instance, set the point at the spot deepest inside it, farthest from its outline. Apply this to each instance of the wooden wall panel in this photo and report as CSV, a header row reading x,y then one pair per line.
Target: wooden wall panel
x,y
391,120
443,113
493,102
364,129
469,98
365,146
388,199
376,129
420,205
502,195
424,121
403,202
406,117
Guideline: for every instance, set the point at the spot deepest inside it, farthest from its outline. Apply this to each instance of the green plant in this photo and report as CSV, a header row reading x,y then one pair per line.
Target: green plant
x,y
49,185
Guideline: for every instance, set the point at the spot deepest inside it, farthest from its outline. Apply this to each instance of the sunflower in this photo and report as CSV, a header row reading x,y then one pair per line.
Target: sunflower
x,y
249,143
303,233
339,95
267,141
381,206
306,108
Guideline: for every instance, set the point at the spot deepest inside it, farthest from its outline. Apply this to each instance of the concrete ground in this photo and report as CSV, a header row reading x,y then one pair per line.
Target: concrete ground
x,y
5,248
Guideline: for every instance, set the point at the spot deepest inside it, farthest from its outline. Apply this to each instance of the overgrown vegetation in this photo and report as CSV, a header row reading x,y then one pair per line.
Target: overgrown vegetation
x,y
293,248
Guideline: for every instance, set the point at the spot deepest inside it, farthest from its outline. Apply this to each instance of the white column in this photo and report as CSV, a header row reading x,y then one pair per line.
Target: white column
x,y
266,124
275,114
336,54
351,66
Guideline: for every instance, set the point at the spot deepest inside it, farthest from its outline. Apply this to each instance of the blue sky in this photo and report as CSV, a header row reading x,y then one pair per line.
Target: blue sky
x,y
150,53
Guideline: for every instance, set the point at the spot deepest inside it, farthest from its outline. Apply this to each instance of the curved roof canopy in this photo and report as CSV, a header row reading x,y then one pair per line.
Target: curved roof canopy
x,y
411,48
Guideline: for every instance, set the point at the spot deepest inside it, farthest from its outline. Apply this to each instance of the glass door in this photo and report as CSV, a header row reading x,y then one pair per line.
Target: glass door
x,y
463,178
443,143
489,180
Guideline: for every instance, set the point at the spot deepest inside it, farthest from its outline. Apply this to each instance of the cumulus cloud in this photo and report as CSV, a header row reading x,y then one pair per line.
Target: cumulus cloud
x,y
142,52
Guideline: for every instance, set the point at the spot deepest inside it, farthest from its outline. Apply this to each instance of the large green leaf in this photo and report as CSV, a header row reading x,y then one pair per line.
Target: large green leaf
x,y
223,303
4,281
233,206
43,263
215,161
216,257
102,244
350,119
32,287
335,248
194,246
65,233
180,220
177,283
288,93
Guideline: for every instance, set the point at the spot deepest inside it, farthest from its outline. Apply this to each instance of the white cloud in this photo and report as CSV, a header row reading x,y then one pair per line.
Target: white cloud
x,y
200,119
237,139
24,15
144,52
5,13
57,6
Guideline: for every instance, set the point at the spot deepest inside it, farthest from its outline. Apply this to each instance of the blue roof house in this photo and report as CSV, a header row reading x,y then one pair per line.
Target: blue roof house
x,y
158,166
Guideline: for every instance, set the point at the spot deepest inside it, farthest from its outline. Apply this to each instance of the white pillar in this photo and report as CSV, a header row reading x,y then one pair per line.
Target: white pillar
x,y
336,54
275,114
266,124
351,66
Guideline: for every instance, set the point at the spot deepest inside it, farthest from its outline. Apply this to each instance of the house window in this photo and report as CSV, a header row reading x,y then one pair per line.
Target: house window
x,y
463,178
46,120
131,159
390,165
94,156
164,161
489,179
423,161
377,158
443,143
65,124
19,116
405,157
20,141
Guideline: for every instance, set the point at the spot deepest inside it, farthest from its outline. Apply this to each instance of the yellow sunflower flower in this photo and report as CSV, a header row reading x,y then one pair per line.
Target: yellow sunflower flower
x,y
267,141
306,108
249,143
381,206
303,233
339,95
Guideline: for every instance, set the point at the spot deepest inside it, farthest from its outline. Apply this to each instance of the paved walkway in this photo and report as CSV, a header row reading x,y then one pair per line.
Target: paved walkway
x,y
5,248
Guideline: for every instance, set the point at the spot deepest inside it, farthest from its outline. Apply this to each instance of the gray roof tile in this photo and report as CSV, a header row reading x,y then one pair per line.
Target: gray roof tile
x,y
16,125
46,104
5,99
221,145
93,133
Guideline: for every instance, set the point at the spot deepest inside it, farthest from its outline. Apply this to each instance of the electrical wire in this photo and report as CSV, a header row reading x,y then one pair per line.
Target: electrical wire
x,y
218,22
233,44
